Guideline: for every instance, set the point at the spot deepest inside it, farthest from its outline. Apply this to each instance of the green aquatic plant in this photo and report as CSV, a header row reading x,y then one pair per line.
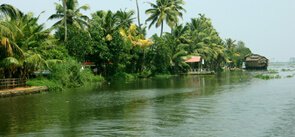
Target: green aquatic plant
x,y
267,76
163,76
273,71
287,70
289,76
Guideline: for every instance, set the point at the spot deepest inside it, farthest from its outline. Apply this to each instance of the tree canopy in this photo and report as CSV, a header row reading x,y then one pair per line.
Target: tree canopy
x,y
112,41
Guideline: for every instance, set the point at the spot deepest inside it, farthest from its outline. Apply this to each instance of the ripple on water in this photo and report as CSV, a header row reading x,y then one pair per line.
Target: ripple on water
x,y
206,106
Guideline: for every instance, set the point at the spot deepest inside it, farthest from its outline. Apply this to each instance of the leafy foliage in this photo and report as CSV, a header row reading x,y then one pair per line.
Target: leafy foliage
x,y
165,11
66,74
206,42
79,43
236,53
73,15
110,40
68,13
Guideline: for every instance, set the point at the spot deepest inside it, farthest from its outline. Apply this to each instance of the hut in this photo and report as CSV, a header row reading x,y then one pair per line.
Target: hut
x,y
194,62
256,61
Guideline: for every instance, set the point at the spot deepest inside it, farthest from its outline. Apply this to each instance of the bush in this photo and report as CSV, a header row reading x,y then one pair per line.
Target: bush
x,y
123,76
87,76
67,74
56,52
145,74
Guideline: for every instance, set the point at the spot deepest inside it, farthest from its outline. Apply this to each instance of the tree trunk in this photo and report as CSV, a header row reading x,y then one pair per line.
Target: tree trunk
x,y
162,27
138,14
65,20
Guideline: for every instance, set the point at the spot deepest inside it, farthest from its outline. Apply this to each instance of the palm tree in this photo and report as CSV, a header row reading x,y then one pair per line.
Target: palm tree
x,y
165,11
106,20
8,31
243,51
17,31
230,46
31,33
124,18
138,14
10,12
69,14
64,4
180,43
177,7
10,49
206,42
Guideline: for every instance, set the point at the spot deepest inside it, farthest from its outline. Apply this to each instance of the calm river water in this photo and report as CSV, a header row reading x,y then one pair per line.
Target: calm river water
x,y
231,104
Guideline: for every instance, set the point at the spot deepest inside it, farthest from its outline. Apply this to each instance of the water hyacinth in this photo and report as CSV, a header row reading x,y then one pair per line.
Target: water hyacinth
x,y
267,76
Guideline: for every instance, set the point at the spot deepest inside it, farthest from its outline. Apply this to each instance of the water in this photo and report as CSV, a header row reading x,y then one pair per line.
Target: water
x,y
227,105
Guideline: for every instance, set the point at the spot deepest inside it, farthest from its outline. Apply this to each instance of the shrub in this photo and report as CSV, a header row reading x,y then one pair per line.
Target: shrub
x,y
67,74
145,74
123,76
87,76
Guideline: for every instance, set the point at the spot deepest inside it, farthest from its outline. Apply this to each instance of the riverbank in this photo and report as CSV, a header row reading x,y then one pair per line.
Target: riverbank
x,y
22,91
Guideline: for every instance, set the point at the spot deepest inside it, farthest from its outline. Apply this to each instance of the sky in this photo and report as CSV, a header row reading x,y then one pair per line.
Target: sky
x,y
266,26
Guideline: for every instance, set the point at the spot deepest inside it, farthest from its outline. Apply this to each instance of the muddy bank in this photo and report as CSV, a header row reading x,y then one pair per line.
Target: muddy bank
x,y
22,91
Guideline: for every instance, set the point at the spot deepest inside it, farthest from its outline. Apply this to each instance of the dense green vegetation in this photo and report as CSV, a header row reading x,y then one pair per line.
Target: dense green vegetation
x,y
110,40
66,75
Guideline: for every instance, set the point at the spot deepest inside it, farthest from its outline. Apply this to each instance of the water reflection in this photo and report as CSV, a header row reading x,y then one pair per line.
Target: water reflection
x,y
178,106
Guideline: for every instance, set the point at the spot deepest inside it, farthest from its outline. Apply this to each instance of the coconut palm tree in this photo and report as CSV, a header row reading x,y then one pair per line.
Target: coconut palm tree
x,y
205,41
165,11
236,52
107,21
64,4
138,14
10,49
69,13
124,18
141,27
230,46
9,11
10,56
180,43
19,31
177,6
8,31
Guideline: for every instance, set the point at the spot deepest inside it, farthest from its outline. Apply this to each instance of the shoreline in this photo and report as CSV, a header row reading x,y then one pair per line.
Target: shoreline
x,y
22,91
